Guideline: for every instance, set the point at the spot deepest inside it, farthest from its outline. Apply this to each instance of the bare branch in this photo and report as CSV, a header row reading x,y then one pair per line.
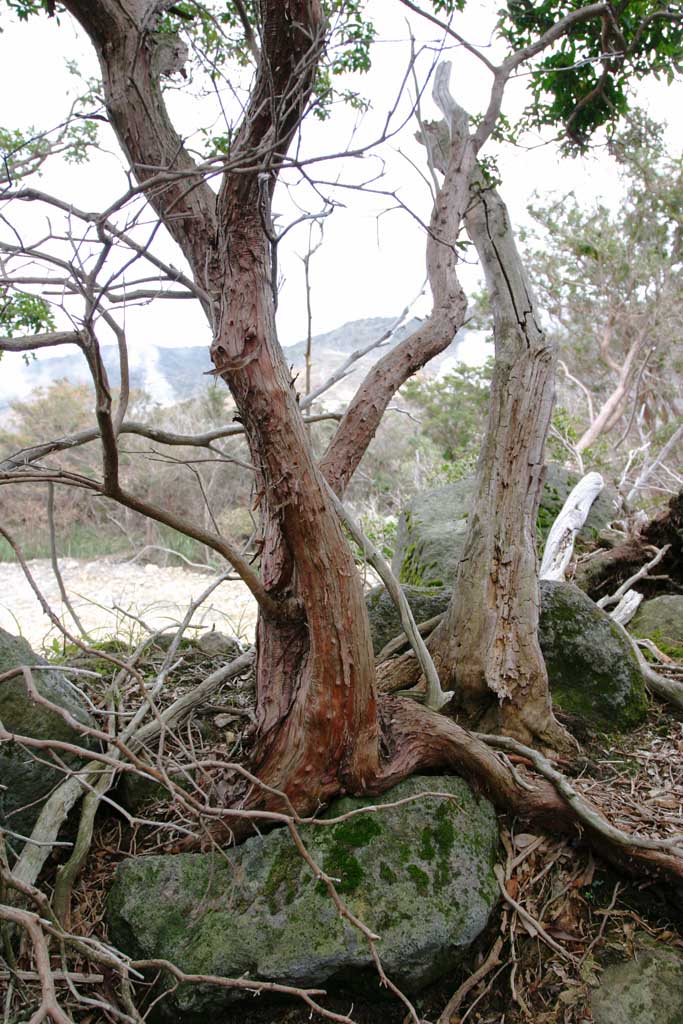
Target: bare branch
x,y
47,340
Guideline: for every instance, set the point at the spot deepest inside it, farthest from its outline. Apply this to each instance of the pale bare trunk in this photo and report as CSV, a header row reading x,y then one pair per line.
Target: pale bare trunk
x,y
487,647
614,406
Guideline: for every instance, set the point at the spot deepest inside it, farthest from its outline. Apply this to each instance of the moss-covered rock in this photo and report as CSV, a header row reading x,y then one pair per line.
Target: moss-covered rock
x,y
419,875
661,620
432,529
646,990
385,622
592,669
27,779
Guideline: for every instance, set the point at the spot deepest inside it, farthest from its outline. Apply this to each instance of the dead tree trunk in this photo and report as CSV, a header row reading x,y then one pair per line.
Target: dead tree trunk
x,y
486,649
490,634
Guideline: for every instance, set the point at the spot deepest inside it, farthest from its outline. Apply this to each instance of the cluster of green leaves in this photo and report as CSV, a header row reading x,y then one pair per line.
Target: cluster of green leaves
x,y
23,9
21,313
453,410
23,152
582,83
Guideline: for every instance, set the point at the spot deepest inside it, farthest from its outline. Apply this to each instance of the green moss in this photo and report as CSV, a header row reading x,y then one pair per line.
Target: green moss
x,y
660,640
357,831
419,877
445,833
386,874
344,869
340,862
427,851
285,871
410,571
592,670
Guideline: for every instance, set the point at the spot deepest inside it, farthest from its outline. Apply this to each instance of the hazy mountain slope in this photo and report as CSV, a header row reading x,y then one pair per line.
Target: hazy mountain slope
x,y
171,375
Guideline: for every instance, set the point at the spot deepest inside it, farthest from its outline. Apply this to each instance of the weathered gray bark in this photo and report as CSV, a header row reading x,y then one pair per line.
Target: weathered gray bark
x,y
486,648
489,637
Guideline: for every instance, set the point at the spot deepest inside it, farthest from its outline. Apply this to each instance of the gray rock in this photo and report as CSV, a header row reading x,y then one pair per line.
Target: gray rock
x,y
647,990
215,644
592,669
385,622
661,620
28,780
432,529
419,875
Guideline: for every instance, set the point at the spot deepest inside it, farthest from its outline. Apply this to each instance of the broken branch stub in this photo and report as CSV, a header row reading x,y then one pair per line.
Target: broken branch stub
x,y
559,546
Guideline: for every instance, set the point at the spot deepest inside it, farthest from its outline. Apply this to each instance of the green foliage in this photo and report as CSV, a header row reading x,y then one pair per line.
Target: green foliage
x,y
381,530
23,9
611,280
582,83
453,409
23,152
21,313
216,35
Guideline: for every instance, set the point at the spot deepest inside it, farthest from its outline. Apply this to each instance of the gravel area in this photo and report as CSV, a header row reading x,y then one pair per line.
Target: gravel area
x,y
106,592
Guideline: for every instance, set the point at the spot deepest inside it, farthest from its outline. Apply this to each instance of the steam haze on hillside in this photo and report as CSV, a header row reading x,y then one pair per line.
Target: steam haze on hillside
x,y
171,375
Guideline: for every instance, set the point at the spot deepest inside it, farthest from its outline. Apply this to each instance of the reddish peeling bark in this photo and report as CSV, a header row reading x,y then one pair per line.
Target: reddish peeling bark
x,y
315,675
417,739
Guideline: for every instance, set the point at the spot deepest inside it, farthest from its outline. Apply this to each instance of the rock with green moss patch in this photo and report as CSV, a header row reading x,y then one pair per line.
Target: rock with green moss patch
x,y
592,669
419,875
646,990
432,529
661,620
28,777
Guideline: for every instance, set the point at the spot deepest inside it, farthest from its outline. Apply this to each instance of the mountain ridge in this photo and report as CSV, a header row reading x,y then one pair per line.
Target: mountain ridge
x,y
172,375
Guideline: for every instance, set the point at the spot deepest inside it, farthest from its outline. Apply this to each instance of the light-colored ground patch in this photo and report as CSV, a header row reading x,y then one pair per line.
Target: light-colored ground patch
x,y
104,590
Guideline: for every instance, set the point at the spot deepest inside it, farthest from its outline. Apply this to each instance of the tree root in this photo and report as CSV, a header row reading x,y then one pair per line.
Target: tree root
x,y
419,739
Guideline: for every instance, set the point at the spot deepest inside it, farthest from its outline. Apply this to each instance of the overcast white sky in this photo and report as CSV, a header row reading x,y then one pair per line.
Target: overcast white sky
x,y
372,262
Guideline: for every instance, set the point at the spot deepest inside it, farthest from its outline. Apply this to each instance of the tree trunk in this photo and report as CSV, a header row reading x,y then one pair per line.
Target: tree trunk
x,y
315,677
489,638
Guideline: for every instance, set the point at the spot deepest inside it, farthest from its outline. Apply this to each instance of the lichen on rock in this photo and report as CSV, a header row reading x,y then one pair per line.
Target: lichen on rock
x,y
419,875
645,990
592,669
432,529
661,620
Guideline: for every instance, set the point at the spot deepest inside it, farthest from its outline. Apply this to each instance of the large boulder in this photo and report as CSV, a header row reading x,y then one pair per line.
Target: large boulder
x,y
646,990
661,620
419,875
385,622
26,776
592,668
432,529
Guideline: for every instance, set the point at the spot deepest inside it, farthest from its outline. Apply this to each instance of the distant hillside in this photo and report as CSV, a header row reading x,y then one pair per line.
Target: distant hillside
x,y
171,375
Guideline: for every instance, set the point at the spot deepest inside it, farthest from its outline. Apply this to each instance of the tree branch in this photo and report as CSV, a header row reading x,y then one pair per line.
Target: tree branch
x,y
125,44
365,412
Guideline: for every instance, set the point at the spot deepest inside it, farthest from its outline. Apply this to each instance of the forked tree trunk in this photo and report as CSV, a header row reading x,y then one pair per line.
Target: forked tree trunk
x,y
320,725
